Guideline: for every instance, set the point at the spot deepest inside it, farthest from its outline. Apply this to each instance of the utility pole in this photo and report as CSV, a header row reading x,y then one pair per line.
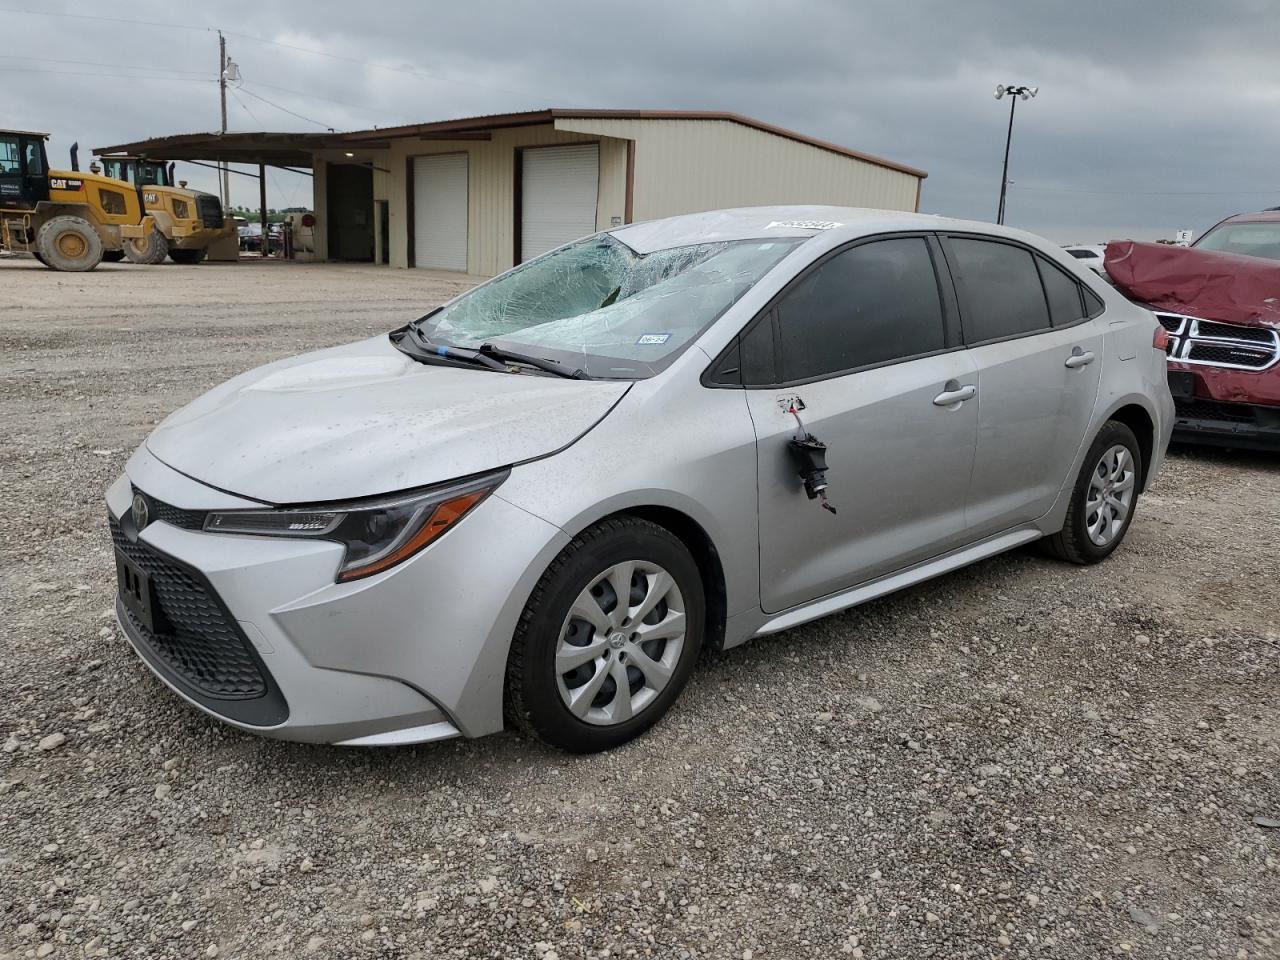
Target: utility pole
x,y
222,91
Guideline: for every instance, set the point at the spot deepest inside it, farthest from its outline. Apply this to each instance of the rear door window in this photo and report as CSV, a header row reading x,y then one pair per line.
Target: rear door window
x,y
871,304
999,288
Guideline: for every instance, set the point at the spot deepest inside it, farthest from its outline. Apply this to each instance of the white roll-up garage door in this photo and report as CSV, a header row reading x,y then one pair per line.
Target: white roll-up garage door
x,y
440,211
558,188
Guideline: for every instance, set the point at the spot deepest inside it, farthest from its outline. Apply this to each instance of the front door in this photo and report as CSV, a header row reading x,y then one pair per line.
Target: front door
x,y
13,186
862,341
1039,357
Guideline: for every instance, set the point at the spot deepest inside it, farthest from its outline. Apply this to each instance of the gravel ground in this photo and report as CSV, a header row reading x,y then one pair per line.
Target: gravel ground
x,y
1023,759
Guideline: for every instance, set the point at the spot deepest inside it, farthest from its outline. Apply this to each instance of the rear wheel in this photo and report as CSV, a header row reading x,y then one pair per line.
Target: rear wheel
x,y
1103,499
69,243
608,639
188,256
149,250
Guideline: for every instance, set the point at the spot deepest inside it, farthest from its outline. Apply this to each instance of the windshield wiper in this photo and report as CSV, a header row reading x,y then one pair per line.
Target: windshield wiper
x,y
446,352
550,366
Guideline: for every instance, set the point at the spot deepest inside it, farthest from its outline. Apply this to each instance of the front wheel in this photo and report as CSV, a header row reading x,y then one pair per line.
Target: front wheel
x,y
1103,498
149,250
608,639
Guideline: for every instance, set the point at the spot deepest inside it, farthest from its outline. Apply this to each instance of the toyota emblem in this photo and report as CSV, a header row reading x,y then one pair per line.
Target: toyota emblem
x,y
140,511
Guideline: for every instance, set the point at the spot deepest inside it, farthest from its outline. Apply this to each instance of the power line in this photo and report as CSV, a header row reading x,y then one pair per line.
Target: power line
x,y
119,76
89,16
94,63
407,71
1148,193
270,103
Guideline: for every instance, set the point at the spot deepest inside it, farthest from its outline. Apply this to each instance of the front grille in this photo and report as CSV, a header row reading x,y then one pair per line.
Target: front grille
x,y
210,210
174,516
1214,344
1227,355
195,637
1197,409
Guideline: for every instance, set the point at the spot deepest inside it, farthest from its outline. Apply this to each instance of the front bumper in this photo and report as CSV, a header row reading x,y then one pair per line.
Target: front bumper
x,y
1226,408
415,654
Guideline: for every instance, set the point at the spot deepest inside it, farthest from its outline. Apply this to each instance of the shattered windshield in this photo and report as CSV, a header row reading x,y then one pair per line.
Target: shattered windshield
x,y
602,307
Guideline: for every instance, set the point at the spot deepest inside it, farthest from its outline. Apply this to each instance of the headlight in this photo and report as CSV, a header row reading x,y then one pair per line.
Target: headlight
x,y
180,209
377,533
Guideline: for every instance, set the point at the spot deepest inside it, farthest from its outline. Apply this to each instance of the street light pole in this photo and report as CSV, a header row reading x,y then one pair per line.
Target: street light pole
x,y
1014,93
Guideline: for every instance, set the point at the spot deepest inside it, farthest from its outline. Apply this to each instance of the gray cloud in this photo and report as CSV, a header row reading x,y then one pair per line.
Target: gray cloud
x,y
1152,115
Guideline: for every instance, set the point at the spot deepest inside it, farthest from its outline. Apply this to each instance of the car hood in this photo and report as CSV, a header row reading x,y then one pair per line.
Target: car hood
x,y
365,419
1208,284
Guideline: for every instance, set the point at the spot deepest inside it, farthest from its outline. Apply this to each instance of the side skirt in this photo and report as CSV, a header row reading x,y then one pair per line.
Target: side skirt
x,y
889,583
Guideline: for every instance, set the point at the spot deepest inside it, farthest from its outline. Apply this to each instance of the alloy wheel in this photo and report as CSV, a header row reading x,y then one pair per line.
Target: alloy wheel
x,y
620,643
1110,495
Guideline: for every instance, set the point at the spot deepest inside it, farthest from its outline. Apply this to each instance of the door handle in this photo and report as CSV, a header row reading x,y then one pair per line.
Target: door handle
x,y
1079,358
953,394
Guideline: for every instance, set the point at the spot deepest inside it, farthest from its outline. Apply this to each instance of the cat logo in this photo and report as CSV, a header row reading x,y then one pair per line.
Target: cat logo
x,y
151,198
65,183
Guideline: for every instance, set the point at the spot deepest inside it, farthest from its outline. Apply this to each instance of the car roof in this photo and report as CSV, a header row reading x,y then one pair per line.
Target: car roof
x,y
797,220
1262,216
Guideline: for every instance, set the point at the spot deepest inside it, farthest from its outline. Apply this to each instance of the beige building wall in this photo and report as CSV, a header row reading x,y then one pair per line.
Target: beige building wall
x,y
686,166
491,190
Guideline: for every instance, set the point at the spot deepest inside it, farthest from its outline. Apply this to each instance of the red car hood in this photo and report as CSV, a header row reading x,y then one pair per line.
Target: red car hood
x,y
1225,287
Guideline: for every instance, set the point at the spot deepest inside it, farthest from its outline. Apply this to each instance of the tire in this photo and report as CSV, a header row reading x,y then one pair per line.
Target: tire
x,y
1079,539
69,243
112,256
536,692
188,257
149,251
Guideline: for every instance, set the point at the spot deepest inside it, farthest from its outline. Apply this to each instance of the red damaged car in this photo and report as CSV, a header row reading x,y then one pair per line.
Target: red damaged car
x,y
1222,314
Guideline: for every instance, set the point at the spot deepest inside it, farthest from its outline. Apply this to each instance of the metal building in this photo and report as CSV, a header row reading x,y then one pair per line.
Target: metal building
x,y
484,193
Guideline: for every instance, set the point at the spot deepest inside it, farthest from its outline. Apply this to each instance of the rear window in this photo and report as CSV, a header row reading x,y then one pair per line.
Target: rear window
x,y
1083,254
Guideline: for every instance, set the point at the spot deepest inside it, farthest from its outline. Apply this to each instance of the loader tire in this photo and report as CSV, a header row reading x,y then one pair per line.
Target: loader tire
x,y
70,244
188,256
150,250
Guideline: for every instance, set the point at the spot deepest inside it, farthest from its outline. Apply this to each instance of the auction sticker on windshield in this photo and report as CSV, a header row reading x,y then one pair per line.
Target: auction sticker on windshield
x,y
653,338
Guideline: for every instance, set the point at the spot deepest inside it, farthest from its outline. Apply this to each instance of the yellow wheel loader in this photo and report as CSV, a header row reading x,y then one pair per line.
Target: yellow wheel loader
x,y
66,218
187,221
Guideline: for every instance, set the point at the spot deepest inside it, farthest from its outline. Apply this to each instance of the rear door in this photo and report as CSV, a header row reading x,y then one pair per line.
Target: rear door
x,y
865,342
1038,357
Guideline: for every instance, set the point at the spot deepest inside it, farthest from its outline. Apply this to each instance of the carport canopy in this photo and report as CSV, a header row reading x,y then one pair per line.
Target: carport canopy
x,y
264,148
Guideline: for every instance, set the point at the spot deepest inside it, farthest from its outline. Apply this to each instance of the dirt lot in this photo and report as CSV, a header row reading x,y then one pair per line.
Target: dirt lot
x,y
1024,759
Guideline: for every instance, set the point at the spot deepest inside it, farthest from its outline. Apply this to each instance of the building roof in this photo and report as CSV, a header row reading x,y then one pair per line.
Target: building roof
x,y
473,125
295,149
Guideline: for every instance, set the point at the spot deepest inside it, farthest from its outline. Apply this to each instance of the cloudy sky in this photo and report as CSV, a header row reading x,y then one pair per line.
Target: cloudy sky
x,y
1153,114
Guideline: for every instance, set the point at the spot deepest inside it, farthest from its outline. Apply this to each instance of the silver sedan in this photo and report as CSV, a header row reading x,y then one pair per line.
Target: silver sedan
x,y
536,504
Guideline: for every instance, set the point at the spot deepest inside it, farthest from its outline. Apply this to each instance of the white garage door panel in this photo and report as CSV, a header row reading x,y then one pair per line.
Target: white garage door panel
x,y
558,189
440,212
